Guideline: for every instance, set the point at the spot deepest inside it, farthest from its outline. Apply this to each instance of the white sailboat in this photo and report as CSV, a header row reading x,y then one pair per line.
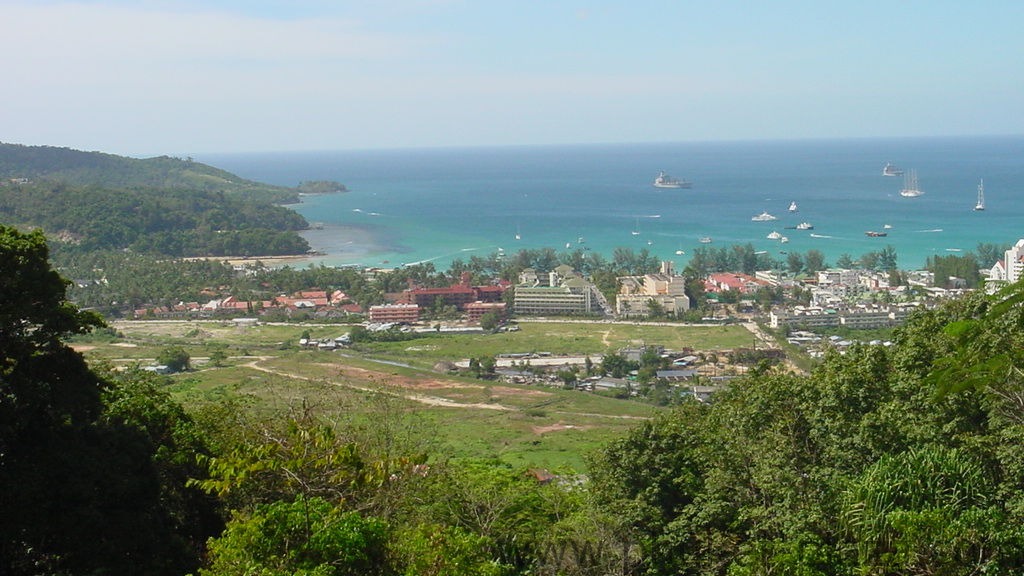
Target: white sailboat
x,y
792,207
981,196
910,186
518,235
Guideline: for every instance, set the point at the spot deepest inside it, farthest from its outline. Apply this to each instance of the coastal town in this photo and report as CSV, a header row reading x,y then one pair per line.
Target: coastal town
x,y
807,312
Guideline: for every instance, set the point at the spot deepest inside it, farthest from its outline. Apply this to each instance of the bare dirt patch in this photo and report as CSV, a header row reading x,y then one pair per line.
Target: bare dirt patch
x,y
519,392
401,381
559,427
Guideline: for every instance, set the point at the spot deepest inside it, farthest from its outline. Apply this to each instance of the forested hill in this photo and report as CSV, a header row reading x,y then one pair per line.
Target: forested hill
x,y
79,168
91,201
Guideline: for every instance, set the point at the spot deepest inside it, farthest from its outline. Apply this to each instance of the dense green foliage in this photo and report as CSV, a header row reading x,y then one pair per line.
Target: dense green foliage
x,y
92,201
321,187
84,169
864,467
91,469
168,222
947,267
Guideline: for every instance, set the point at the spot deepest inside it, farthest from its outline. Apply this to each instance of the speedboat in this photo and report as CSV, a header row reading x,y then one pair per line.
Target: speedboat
x,y
764,217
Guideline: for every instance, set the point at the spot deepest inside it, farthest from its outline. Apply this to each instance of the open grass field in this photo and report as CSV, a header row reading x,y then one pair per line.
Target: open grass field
x,y
564,338
460,417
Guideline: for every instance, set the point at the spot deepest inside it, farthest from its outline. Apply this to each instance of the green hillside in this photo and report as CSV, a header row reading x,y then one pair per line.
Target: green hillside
x,y
79,168
91,201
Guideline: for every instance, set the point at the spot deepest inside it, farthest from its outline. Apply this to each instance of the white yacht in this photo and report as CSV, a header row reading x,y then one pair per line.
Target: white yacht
x,y
764,217
910,186
774,235
792,207
805,226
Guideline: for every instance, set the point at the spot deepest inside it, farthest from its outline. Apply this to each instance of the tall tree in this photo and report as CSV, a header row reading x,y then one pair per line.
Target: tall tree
x,y
79,495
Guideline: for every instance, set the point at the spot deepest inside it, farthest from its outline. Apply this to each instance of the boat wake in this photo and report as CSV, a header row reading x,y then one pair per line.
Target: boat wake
x,y
821,236
440,256
931,230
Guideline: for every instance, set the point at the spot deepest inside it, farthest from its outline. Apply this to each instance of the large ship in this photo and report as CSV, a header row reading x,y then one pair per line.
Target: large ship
x,y
910,186
665,181
891,170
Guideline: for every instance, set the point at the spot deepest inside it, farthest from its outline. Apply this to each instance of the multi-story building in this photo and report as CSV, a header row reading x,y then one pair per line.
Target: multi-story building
x,y
458,295
665,289
386,313
573,295
476,310
1011,267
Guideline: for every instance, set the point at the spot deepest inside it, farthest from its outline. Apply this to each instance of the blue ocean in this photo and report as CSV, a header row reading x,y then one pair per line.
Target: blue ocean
x,y
436,205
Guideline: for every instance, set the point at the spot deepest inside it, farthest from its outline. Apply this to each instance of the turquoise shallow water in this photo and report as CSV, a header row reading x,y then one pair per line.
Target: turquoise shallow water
x,y
439,204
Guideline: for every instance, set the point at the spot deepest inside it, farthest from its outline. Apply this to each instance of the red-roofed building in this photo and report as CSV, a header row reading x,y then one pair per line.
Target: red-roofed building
x,y
395,313
475,310
742,283
458,295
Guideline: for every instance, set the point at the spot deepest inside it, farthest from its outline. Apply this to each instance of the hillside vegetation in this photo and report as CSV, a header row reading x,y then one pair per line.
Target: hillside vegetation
x,y
79,168
90,201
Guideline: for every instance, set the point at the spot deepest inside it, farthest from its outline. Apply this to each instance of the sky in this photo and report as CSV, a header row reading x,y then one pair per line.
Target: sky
x,y
154,77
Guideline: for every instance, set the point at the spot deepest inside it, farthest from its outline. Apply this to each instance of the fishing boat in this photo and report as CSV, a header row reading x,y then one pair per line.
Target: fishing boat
x,y
665,181
764,217
910,186
873,234
792,207
805,226
981,197
891,170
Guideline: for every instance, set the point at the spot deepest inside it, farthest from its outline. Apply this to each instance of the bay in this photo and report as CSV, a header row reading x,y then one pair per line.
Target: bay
x,y
435,205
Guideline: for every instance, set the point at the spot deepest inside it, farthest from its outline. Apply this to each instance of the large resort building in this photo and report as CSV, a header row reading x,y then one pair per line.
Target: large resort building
x,y
563,291
665,289
1008,270
458,295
